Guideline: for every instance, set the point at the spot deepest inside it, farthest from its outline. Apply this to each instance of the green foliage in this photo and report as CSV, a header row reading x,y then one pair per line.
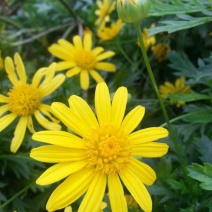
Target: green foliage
x,y
202,174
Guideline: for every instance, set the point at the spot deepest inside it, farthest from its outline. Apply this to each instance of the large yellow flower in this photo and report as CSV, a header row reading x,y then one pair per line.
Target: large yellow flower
x,y
79,58
24,100
178,87
105,8
108,33
103,150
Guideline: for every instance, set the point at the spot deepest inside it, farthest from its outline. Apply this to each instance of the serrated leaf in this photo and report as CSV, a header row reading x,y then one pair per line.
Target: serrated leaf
x,y
204,145
202,174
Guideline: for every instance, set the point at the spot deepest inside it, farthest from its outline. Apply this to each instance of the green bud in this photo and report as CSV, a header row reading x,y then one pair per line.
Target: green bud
x,y
132,11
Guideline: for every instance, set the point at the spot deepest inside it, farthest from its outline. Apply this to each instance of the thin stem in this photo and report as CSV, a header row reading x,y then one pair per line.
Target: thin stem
x,y
15,196
155,87
69,8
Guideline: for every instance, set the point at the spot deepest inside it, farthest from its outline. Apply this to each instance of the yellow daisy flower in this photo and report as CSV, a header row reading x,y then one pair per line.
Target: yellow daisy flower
x,y
24,100
148,41
108,33
101,151
178,87
160,51
105,8
80,58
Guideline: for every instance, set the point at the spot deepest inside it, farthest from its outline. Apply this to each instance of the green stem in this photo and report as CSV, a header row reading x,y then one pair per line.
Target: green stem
x,y
69,8
155,87
16,195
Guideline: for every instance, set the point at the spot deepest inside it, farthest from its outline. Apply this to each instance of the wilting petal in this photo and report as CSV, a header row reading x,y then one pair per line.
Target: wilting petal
x,y
70,190
94,195
116,194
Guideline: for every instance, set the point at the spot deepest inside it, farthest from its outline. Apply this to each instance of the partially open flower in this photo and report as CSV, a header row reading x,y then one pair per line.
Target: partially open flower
x,y
132,11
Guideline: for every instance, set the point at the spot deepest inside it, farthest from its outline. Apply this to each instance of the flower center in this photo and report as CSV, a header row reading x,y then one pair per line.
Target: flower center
x,y
24,99
85,60
108,150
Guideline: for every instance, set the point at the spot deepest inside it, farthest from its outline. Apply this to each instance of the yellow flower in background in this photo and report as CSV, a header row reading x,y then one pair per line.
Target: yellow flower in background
x,y
178,87
160,51
80,58
131,202
23,101
68,209
103,149
1,62
148,41
105,8
108,33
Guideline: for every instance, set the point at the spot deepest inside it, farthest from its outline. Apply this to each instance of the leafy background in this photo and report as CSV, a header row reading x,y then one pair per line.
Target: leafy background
x,y
30,27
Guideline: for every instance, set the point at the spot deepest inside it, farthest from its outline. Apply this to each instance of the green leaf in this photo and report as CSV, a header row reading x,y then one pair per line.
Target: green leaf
x,y
184,22
204,145
202,174
201,117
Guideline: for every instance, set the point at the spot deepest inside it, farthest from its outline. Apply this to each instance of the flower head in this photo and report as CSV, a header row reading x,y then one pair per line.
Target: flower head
x,y
24,100
148,41
105,8
133,11
80,58
178,87
108,33
160,51
103,150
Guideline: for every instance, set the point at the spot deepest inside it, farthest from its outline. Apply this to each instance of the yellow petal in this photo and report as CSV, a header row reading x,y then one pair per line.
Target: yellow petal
x,y
70,119
7,120
53,85
59,171
56,154
104,66
59,138
144,172
30,124
119,106
19,134
10,69
132,119
45,122
60,52
116,194
84,80
47,111
70,190
83,110
93,197
4,109
3,99
137,190
150,150
77,40
87,42
20,68
97,77
49,74
97,50
38,76
73,71
64,65
105,55
147,135
102,104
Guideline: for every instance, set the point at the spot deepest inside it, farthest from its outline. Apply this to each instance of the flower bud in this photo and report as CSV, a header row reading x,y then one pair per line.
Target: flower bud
x,y
132,11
